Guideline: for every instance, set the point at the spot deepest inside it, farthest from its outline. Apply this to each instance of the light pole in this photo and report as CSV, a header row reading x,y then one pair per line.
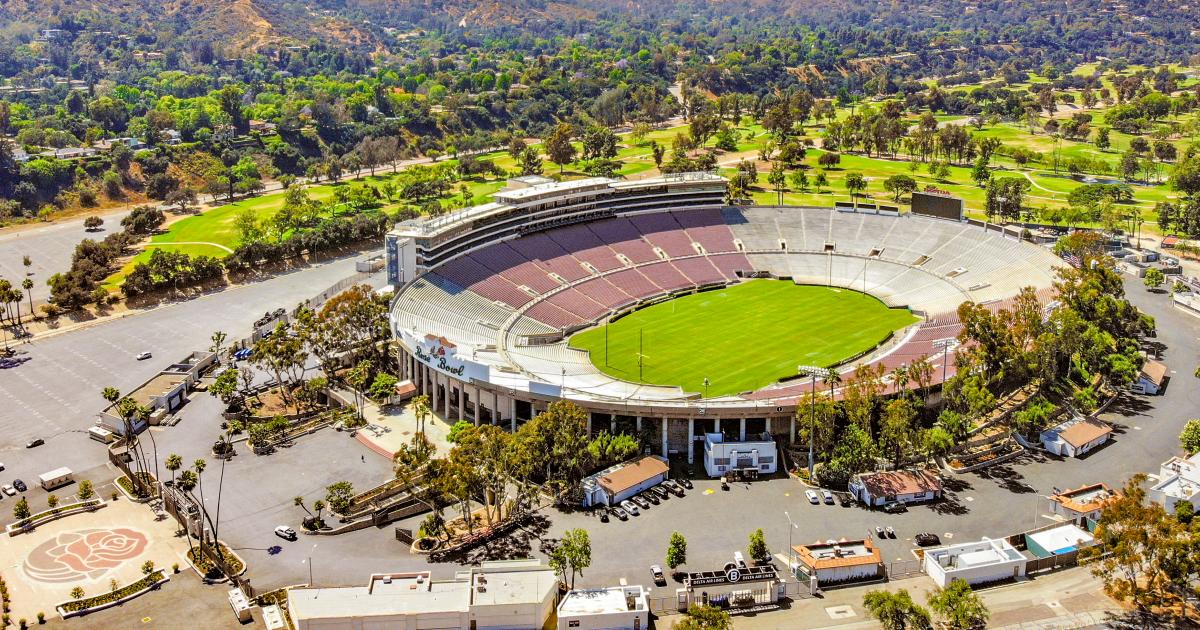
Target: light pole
x,y
706,387
309,562
945,345
812,371
791,553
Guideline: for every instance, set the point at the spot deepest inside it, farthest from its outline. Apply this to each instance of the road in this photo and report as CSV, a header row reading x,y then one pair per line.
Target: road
x,y
50,246
53,391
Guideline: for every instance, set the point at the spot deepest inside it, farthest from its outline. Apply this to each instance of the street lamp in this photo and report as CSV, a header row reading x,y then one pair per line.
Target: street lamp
x,y
813,371
706,387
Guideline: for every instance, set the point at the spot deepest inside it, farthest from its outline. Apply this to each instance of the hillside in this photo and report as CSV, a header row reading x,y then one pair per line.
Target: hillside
x,y
237,24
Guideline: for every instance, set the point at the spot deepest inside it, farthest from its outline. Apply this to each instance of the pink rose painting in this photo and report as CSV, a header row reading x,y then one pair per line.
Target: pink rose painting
x,y
84,555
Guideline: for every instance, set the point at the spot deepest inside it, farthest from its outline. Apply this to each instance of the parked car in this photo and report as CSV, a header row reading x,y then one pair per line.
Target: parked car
x,y
19,485
650,496
926,539
285,532
640,501
812,497
660,578
890,532
673,487
845,499
660,492
620,513
630,507
828,496
603,516
895,507
142,356
8,489
35,442
879,531
686,483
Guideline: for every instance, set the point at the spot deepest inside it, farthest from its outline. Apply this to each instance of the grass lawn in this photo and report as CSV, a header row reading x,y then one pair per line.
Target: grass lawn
x,y
743,337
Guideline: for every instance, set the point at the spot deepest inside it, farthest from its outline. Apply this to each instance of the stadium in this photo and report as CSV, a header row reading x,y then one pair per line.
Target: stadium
x,y
663,311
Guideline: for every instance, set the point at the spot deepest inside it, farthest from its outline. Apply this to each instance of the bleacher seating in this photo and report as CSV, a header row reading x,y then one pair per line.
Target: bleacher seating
x,y
570,277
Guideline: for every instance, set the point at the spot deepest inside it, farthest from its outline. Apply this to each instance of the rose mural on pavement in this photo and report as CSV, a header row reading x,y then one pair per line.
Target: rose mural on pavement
x,y
86,554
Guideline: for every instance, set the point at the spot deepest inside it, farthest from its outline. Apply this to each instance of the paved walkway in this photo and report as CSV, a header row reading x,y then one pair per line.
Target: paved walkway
x,y
174,243
389,428
86,550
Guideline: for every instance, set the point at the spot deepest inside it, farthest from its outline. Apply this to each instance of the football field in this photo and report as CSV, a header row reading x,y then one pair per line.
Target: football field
x,y
742,337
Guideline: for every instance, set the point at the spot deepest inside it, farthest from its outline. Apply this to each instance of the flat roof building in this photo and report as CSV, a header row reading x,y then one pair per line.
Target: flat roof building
x,y
748,457
1055,541
980,562
836,562
615,608
506,594
1178,480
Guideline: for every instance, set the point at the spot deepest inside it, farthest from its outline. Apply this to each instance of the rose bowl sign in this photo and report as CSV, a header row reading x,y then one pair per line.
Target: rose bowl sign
x,y
441,354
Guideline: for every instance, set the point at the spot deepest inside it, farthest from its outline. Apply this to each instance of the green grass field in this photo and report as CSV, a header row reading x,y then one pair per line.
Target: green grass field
x,y
743,337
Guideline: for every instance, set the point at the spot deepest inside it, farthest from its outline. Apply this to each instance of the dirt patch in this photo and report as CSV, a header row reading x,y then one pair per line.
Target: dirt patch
x,y
273,405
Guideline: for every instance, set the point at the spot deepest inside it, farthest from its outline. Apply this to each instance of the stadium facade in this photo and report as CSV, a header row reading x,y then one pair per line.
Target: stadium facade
x,y
486,297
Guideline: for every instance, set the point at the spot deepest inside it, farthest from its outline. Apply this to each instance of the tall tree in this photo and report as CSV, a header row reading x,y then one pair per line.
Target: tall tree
x,y
558,145
896,611
958,606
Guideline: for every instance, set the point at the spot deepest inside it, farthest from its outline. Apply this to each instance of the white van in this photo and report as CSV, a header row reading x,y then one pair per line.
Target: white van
x,y
100,434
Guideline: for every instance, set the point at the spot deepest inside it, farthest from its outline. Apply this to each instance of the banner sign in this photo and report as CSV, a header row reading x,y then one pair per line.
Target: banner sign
x,y
441,354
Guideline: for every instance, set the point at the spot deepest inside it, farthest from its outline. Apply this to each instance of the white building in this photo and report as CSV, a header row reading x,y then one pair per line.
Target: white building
x,y
835,562
1178,480
1055,541
613,485
750,457
904,486
616,608
1076,436
517,594
980,562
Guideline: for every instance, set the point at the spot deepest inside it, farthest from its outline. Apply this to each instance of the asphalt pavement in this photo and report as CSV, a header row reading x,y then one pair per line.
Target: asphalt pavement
x,y
51,389
49,248
55,395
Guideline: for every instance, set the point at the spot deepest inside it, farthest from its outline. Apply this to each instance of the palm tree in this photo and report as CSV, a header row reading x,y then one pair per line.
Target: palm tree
x,y
900,377
174,462
421,409
27,284
832,379
187,483
199,465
